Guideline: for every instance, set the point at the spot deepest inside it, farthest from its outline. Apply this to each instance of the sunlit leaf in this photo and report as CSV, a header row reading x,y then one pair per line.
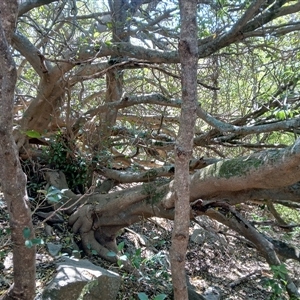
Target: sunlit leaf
x,y
33,134
123,257
28,243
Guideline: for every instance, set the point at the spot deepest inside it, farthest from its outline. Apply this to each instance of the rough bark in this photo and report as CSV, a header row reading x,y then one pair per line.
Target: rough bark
x,y
184,145
13,180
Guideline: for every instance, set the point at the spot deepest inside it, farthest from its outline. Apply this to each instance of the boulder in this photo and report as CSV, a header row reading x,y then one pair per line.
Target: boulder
x,y
80,279
212,293
53,249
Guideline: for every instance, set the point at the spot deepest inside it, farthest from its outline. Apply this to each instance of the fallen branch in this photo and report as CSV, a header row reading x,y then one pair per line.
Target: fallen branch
x,y
251,276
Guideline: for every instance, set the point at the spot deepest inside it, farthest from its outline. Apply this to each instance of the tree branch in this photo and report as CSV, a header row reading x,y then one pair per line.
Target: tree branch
x,y
26,6
272,169
30,52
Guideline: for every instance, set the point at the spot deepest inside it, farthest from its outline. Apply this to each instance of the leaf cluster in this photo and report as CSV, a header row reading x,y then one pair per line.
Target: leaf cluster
x,y
62,155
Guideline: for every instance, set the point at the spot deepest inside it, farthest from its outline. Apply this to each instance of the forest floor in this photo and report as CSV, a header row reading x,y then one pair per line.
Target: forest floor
x,y
216,258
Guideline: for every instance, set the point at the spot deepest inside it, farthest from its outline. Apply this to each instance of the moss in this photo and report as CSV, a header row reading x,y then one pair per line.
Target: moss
x,y
150,173
210,171
157,143
154,193
238,167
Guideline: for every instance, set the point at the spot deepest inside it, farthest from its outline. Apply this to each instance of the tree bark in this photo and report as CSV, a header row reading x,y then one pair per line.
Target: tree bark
x,y
188,53
13,180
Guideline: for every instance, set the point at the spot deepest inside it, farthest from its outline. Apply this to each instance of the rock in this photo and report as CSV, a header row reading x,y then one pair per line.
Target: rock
x,y
212,293
8,261
53,249
80,279
48,230
193,295
198,236
201,236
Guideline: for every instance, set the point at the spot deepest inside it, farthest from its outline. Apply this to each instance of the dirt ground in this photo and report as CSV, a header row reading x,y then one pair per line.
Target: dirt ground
x,y
223,260
216,258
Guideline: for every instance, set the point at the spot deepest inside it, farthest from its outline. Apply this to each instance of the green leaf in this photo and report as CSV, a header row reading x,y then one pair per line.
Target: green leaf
x,y
96,34
120,264
111,254
121,246
55,198
28,244
7,231
138,251
54,194
142,296
94,252
160,297
37,241
26,233
33,134
280,115
53,190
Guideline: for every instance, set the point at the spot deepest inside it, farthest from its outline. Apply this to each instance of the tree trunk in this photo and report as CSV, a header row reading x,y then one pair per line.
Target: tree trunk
x,y
114,77
114,82
183,149
13,179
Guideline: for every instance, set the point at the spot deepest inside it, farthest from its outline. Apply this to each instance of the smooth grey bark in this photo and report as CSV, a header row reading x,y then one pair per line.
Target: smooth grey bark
x,y
12,178
188,53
